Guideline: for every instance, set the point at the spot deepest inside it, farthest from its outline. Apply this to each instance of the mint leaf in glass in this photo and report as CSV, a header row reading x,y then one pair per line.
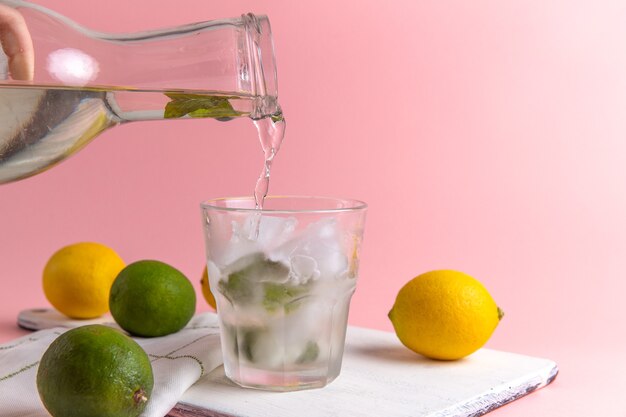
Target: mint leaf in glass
x,y
310,353
278,117
199,105
252,275
237,287
249,339
279,296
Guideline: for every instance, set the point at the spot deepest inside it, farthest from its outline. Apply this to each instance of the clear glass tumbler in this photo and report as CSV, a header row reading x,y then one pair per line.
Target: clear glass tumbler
x,y
283,278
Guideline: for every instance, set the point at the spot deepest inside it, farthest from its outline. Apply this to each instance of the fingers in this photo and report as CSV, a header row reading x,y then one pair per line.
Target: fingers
x,y
17,44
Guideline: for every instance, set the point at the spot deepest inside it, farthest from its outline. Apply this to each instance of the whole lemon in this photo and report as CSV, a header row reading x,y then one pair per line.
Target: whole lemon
x,y
206,289
77,279
444,315
151,298
94,371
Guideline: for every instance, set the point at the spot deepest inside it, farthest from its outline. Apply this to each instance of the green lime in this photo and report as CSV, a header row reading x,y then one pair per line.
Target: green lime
x,y
151,298
94,371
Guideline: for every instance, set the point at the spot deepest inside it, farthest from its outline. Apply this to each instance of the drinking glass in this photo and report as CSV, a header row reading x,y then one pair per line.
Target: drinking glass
x,y
283,278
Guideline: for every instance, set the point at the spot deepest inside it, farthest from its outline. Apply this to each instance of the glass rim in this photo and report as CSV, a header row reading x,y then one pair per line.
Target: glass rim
x,y
357,205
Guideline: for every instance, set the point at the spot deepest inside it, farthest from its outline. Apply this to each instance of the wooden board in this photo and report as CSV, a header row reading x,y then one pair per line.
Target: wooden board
x,y
380,377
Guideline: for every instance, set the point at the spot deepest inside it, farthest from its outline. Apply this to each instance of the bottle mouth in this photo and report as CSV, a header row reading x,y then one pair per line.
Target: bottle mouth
x,y
262,71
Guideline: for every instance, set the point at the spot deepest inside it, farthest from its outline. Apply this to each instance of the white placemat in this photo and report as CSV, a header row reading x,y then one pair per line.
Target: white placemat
x,y
380,377
178,361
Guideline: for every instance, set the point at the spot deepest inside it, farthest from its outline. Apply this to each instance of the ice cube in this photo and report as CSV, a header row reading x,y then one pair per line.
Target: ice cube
x,y
324,229
315,252
284,343
273,231
243,262
331,261
303,269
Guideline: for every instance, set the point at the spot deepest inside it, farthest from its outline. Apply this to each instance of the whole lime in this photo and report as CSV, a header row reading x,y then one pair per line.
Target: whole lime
x,y
151,298
94,371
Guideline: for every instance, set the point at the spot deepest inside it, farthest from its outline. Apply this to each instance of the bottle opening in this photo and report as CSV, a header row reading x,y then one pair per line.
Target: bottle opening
x,y
263,74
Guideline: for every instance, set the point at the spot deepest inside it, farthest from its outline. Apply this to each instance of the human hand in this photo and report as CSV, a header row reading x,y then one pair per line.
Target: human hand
x,y
17,44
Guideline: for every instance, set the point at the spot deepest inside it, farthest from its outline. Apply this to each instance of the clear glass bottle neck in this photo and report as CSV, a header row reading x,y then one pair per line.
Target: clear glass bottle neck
x,y
228,57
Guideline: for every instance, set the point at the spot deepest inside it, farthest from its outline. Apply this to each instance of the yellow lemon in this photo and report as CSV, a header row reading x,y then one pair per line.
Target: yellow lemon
x,y
206,289
444,315
77,279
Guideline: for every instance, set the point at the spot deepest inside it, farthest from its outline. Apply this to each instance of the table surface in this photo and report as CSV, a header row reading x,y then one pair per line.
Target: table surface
x,y
590,380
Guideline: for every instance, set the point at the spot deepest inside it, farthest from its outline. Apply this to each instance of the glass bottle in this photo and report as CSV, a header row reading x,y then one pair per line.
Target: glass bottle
x,y
80,82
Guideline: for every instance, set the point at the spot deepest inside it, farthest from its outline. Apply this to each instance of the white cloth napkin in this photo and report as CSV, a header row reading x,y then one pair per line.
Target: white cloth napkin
x,y
178,361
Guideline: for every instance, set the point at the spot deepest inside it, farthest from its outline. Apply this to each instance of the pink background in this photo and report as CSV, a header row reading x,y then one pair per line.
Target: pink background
x,y
487,136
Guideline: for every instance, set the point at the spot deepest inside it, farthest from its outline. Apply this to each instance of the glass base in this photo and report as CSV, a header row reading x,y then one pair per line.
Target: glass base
x,y
281,381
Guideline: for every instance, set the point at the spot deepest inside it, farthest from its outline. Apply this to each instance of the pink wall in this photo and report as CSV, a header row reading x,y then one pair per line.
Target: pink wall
x,y
487,136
